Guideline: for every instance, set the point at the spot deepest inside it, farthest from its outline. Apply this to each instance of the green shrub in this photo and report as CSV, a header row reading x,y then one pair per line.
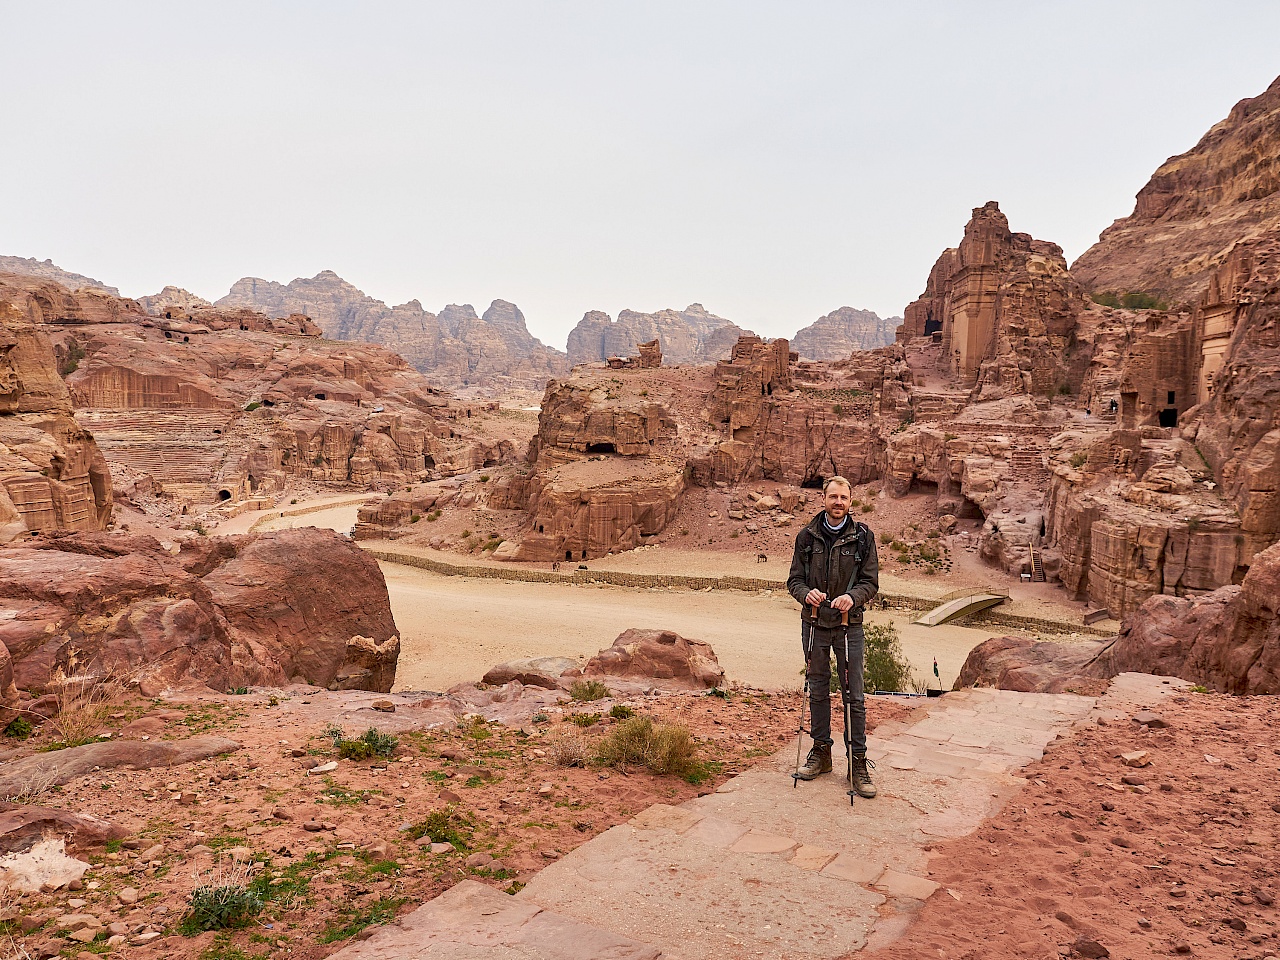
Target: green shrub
x,y
621,711
19,728
587,690
1079,459
584,719
252,406
1137,300
884,665
484,478
220,907
1108,299
372,743
449,825
75,353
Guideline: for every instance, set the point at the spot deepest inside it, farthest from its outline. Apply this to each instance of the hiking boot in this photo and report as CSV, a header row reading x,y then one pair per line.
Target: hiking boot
x,y
861,776
819,762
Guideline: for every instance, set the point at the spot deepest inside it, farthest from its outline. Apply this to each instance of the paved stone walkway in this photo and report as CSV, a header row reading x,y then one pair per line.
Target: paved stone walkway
x,y
762,869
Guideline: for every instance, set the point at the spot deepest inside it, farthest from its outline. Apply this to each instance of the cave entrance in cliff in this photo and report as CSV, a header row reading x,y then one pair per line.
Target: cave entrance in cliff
x,y
224,494
1169,417
931,326
568,554
969,510
601,448
321,396
812,483
919,485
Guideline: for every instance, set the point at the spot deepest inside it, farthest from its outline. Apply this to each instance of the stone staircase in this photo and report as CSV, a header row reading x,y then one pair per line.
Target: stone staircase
x,y
182,449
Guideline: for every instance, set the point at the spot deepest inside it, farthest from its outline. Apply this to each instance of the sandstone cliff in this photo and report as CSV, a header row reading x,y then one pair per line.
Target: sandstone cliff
x,y
52,474
230,404
1228,640
1005,309
1194,208
48,270
843,331
1239,428
456,348
691,335
225,612
171,298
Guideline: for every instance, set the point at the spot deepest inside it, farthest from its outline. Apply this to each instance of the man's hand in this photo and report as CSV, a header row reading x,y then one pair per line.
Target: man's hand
x,y
843,603
814,597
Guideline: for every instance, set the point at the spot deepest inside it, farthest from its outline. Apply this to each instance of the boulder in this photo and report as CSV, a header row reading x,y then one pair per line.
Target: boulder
x,y
1016,663
22,825
532,671
61,766
659,655
258,609
1228,640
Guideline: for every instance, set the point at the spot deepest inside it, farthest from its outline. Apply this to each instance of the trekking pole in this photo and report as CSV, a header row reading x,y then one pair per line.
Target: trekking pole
x,y
846,695
806,636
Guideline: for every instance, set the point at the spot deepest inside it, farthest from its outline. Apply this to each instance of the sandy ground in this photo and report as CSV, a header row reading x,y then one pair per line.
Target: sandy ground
x,y
341,518
455,628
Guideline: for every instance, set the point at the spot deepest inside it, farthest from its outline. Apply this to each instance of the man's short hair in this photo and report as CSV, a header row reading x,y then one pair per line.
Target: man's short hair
x,y
836,481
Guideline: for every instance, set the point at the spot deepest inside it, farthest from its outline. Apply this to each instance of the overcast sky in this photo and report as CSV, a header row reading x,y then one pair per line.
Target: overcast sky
x,y
773,161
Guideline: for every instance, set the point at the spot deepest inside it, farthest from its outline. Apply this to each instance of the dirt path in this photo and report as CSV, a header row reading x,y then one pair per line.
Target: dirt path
x,y
454,628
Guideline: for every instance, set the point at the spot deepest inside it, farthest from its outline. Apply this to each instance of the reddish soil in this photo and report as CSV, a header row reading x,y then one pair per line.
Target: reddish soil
x,y
317,836
1180,861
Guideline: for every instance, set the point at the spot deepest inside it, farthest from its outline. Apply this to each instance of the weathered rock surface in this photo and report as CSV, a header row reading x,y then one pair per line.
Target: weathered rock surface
x,y
843,331
532,671
63,766
1228,640
22,825
658,655
455,348
1239,425
48,270
1004,306
225,612
229,404
171,299
691,335
52,474
1016,663
1194,208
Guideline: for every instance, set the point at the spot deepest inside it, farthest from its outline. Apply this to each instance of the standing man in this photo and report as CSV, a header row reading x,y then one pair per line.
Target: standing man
x,y
834,572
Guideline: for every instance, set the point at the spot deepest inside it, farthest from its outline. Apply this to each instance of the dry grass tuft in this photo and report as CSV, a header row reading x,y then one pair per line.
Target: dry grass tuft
x,y
84,703
570,749
665,749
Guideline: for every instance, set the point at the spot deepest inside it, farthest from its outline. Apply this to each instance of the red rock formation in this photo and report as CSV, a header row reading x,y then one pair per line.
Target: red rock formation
x,y
1239,378
660,655
1194,209
231,403
1004,306
1228,640
52,473
456,348
226,612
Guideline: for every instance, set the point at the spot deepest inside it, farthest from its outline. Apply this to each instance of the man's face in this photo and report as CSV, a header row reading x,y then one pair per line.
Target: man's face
x,y
836,501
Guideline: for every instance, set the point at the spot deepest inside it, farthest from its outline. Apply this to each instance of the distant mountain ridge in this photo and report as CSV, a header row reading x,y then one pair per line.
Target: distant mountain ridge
x,y
458,348
843,331
455,347
48,270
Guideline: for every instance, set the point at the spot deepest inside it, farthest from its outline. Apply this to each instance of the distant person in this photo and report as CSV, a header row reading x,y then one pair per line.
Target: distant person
x,y
834,574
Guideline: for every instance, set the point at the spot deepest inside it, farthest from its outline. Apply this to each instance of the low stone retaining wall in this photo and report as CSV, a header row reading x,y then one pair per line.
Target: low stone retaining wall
x,y
887,601
303,511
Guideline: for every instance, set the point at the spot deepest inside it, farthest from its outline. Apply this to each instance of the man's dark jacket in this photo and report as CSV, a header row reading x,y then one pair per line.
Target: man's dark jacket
x,y
849,565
